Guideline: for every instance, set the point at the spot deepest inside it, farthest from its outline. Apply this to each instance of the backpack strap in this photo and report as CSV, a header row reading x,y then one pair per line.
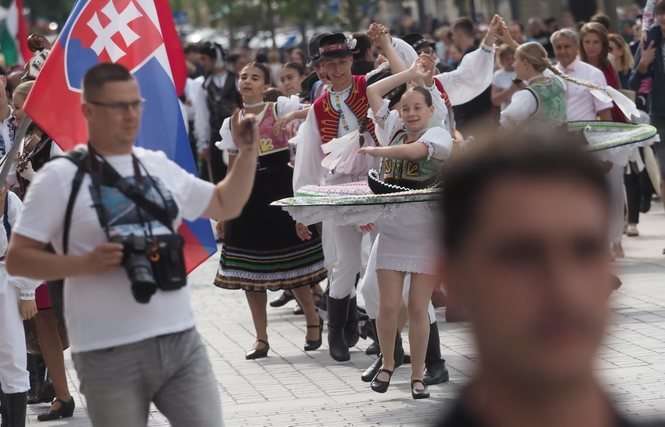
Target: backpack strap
x,y
5,218
77,157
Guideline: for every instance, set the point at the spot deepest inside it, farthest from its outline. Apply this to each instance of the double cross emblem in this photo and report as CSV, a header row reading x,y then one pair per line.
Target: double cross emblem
x,y
118,24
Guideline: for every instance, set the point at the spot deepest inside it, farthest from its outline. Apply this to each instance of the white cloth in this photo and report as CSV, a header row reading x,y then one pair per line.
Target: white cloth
x,y
504,80
522,106
192,88
471,78
581,104
284,105
6,134
25,287
202,130
13,372
13,360
100,309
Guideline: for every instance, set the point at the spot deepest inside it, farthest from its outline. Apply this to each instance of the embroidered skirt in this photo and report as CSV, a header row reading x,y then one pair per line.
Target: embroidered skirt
x,y
261,249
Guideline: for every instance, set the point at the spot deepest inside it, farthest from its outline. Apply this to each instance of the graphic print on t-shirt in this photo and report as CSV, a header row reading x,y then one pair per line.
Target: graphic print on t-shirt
x,y
123,217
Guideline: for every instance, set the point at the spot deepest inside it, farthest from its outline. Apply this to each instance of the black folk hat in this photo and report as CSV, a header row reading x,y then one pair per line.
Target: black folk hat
x,y
313,48
418,41
336,46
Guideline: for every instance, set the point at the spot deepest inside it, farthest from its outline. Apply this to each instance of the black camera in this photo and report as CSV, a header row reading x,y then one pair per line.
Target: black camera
x,y
153,263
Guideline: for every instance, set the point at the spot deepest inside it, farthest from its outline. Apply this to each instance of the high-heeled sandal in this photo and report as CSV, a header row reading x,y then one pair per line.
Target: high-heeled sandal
x,y
311,345
66,410
380,386
419,394
258,353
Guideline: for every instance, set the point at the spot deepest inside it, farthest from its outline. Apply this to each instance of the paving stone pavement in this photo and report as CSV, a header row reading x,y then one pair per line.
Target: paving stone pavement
x,y
295,388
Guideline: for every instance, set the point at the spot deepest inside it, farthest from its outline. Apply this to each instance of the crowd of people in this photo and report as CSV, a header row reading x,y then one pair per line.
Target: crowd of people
x,y
261,130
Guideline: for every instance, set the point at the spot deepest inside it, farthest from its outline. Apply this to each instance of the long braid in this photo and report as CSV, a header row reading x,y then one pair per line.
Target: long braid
x,y
573,80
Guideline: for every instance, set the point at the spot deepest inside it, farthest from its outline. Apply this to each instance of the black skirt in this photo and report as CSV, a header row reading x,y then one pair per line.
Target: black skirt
x,y
261,248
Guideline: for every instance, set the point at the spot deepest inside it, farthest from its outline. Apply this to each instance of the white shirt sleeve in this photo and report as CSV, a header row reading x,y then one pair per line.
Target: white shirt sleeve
x,y
439,143
193,194
308,169
522,106
286,105
387,123
226,142
471,78
25,286
405,51
47,194
201,117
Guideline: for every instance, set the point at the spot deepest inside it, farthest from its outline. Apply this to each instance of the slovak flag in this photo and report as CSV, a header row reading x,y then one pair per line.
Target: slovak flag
x,y
139,34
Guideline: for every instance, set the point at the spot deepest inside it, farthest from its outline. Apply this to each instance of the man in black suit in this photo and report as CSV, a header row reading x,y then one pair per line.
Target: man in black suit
x,y
216,101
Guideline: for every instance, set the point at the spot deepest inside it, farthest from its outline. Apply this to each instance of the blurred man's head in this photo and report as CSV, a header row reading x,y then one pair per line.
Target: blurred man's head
x,y
336,60
112,106
464,34
566,46
525,237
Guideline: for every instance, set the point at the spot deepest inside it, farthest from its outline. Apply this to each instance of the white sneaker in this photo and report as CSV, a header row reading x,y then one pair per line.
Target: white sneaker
x,y
631,230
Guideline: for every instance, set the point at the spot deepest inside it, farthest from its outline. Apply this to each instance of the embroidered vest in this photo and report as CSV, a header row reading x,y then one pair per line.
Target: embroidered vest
x,y
550,94
327,117
270,143
406,173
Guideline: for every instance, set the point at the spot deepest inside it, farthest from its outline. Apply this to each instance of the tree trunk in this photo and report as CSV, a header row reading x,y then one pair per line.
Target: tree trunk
x,y
270,18
611,12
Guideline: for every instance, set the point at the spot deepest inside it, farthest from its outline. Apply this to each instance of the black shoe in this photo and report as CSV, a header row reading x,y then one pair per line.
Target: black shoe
x,y
282,300
351,331
337,312
373,348
17,404
38,393
315,344
256,353
381,386
373,369
419,394
66,410
436,372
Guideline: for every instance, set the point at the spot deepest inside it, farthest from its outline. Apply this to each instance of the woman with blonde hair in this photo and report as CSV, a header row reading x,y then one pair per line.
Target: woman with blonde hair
x,y
621,58
543,99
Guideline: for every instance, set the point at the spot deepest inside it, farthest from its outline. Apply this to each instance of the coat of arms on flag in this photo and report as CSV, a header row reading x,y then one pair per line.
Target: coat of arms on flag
x,y
140,35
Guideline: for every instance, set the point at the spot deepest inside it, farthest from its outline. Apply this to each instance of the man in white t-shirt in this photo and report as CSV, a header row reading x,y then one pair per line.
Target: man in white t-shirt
x,y
127,354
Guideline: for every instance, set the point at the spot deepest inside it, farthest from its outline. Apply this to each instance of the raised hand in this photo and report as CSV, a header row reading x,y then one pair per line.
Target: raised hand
x,y
495,27
245,132
379,35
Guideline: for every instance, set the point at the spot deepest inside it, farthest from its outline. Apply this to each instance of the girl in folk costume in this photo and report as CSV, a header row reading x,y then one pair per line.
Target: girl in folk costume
x,y
542,102
261,249
412,151
17,303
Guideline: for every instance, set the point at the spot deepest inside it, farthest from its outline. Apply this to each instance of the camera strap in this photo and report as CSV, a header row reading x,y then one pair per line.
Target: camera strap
x,y
110,177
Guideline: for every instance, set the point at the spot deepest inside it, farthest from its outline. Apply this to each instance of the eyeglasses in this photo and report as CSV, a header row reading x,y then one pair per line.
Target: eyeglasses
x,y
120,107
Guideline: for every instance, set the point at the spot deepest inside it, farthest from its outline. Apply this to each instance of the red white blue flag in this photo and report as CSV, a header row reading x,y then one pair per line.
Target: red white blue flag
x,y
139,34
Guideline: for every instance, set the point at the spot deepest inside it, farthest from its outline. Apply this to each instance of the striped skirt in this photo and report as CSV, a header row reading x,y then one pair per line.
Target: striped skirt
x,y
261,249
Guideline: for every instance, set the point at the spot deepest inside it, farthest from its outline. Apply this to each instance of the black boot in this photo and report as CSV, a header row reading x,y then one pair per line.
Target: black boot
x,y
436,372
41,390
337,313
16,409
374,347
374,368
351,332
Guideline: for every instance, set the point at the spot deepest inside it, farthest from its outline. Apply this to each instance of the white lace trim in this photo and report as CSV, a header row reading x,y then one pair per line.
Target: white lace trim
x,y
273,276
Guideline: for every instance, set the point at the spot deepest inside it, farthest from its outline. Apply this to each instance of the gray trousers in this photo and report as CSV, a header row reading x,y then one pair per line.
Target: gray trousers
x,y
173,371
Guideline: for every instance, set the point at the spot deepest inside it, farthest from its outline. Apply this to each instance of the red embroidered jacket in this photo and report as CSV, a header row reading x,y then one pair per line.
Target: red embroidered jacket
x,y
327,117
